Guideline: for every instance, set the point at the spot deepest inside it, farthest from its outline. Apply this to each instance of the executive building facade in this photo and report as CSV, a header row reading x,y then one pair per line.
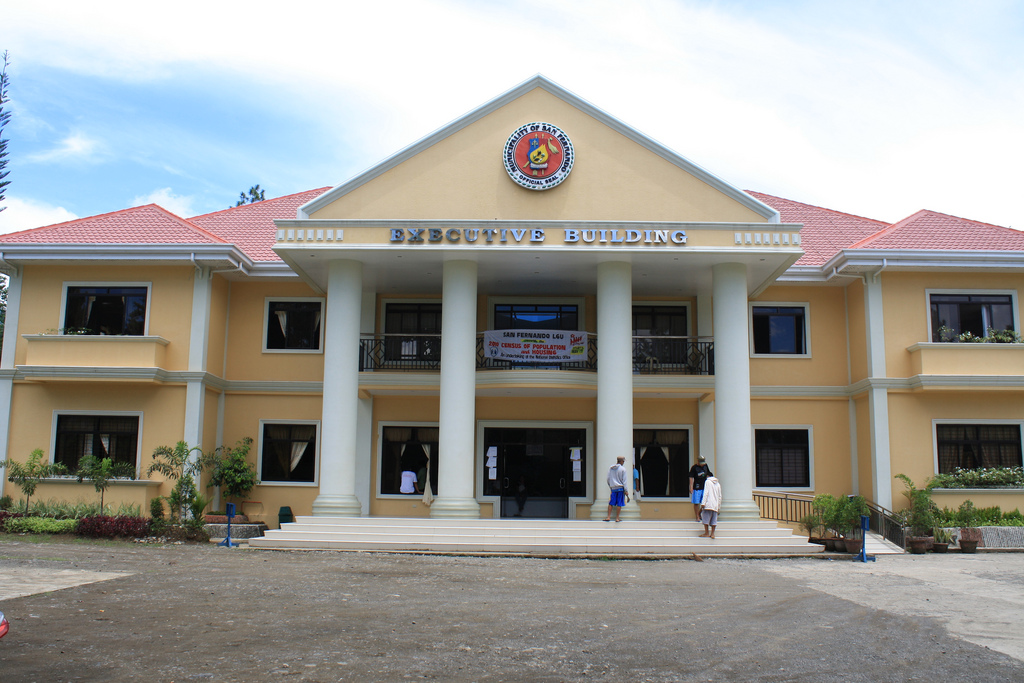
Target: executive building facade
x,y
501,309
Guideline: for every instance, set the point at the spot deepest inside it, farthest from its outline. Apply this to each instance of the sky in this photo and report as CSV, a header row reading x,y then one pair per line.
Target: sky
x,y
875,108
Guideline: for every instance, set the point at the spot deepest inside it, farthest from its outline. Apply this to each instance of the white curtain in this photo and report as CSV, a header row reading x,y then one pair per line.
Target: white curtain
x,y
428,494
282,320
105,441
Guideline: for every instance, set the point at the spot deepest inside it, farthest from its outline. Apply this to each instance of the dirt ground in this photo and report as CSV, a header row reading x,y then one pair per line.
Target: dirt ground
x,y
124,612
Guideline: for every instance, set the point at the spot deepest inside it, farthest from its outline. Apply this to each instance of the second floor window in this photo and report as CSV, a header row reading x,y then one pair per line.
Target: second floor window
x,y
106,309
955,314
293,324
779,330
413,331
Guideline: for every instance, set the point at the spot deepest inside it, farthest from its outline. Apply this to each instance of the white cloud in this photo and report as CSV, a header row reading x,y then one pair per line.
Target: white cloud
x,y
23,214
75,147
164,197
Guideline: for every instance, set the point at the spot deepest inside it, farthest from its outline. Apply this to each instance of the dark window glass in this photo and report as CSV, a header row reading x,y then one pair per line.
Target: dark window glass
x,y
289,453
779,329
413,331
783,458
659,321
664,459
536,317
408,449
974,446
294,325
106,310
974,313
104,436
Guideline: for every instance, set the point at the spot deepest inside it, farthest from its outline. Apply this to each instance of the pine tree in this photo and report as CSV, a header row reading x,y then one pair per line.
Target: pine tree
x,y
255,195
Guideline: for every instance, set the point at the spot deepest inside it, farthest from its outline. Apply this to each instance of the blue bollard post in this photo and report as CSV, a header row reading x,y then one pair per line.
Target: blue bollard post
x,y
227,540
864,526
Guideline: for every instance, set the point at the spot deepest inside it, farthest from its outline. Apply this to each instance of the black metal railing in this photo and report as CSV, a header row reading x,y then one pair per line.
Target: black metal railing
x,y
783,507
407,352
673,356
485,363
792,507
651,355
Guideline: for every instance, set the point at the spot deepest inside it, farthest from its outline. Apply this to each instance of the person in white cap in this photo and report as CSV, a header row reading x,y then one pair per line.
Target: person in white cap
x,y
710,504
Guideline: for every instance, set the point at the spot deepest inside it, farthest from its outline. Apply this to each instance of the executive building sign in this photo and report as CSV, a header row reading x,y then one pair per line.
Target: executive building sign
x,y
535,235
538,156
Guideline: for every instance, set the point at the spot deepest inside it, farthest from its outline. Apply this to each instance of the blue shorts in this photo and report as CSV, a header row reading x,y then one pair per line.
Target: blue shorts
x,y
698,496
618,498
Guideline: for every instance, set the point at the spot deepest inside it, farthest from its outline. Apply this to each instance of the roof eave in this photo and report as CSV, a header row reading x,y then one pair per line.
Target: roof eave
x,y
14,256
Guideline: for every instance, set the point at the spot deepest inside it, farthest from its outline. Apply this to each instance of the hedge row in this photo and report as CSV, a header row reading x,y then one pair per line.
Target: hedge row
x,y
99,526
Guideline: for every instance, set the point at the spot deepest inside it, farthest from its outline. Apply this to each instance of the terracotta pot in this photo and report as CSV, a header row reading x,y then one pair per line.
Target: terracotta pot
x,y
940,547
840,545
830,544
919,544
854,545
968,546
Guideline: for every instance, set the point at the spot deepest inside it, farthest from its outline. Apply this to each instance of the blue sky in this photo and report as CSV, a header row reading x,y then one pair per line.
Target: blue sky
x,y
874,108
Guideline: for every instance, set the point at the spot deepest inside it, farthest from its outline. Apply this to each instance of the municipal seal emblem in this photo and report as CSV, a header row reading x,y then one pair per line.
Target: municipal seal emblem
x,y
538,156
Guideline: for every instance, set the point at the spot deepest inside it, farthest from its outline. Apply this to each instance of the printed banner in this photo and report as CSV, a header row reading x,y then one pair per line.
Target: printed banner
x,y
536,346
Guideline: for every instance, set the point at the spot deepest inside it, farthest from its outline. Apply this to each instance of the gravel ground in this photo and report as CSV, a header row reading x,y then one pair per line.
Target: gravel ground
x,y
124,612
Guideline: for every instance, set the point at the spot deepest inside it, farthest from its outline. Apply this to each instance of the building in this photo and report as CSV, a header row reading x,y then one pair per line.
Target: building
x,y
504,307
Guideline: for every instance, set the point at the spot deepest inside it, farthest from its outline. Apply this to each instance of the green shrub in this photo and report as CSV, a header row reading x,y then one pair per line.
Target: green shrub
x,y
6,503
981,478
156,508
40,525
103,526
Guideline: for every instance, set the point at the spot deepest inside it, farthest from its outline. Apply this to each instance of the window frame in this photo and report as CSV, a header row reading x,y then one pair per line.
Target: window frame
x,y
978,422
266,322
106,283
579,302
381,327
99,413
805,305
379,450
754,428
316,441
691,459
1012,293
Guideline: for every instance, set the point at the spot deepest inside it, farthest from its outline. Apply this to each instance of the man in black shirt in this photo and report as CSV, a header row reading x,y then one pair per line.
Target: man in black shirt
x,y
699,473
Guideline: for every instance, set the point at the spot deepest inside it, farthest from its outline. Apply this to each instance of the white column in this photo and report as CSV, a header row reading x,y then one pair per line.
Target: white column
x,y
733,448
10,340
614,382
198,341
878,394
457,424
340,420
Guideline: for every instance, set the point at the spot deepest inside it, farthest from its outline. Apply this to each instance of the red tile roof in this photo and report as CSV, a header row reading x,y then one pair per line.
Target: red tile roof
x,y
149,224
251,226
825,231
933,230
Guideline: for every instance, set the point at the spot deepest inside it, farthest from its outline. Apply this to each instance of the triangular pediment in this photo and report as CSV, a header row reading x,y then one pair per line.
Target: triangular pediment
x,y
457,173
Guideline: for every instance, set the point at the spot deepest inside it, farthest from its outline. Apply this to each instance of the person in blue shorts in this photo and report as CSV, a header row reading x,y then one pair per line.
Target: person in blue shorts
x,y
617,478
699,474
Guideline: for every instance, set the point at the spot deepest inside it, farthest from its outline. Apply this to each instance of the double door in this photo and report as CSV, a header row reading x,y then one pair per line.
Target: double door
x,y
535,471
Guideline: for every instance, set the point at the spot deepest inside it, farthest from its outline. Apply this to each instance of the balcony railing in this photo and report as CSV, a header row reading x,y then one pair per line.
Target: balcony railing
x,y
651,355
673,355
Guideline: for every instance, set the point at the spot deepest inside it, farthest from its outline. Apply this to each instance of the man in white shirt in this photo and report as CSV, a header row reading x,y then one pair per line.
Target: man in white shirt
x,y
617,477
709,506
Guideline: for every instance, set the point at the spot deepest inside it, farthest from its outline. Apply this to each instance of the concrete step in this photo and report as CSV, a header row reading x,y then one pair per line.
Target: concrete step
x,y
527,536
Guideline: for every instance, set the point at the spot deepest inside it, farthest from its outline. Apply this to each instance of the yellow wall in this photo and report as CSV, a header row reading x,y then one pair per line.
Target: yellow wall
x,y
219,306
463,177
905,305
170,305
246,359
830,433
827,365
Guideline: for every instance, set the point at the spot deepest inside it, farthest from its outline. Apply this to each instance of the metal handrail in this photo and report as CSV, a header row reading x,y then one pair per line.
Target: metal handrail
x,y
791,507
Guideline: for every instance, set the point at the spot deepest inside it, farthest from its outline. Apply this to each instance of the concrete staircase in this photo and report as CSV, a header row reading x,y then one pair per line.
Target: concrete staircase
x,y
544,537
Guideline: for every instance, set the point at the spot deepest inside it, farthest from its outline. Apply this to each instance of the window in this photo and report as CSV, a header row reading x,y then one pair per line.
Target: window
x,y
408,449
782,458
293,324
659,337
106,309
288,453
974,313
536,317
664,459
413,331
779,330
105,436
972,446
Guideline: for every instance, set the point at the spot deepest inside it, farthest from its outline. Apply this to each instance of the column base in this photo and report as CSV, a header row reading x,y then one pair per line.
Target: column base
x,y
735,510
335,505
455,508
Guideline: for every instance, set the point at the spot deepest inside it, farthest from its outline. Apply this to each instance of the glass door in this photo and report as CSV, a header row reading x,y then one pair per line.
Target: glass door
x,y
535,471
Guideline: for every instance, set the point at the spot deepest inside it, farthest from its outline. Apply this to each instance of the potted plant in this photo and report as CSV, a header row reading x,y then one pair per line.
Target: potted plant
x,y
969,519
943,537
920,515
852,508
826,506
811,523
234,473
